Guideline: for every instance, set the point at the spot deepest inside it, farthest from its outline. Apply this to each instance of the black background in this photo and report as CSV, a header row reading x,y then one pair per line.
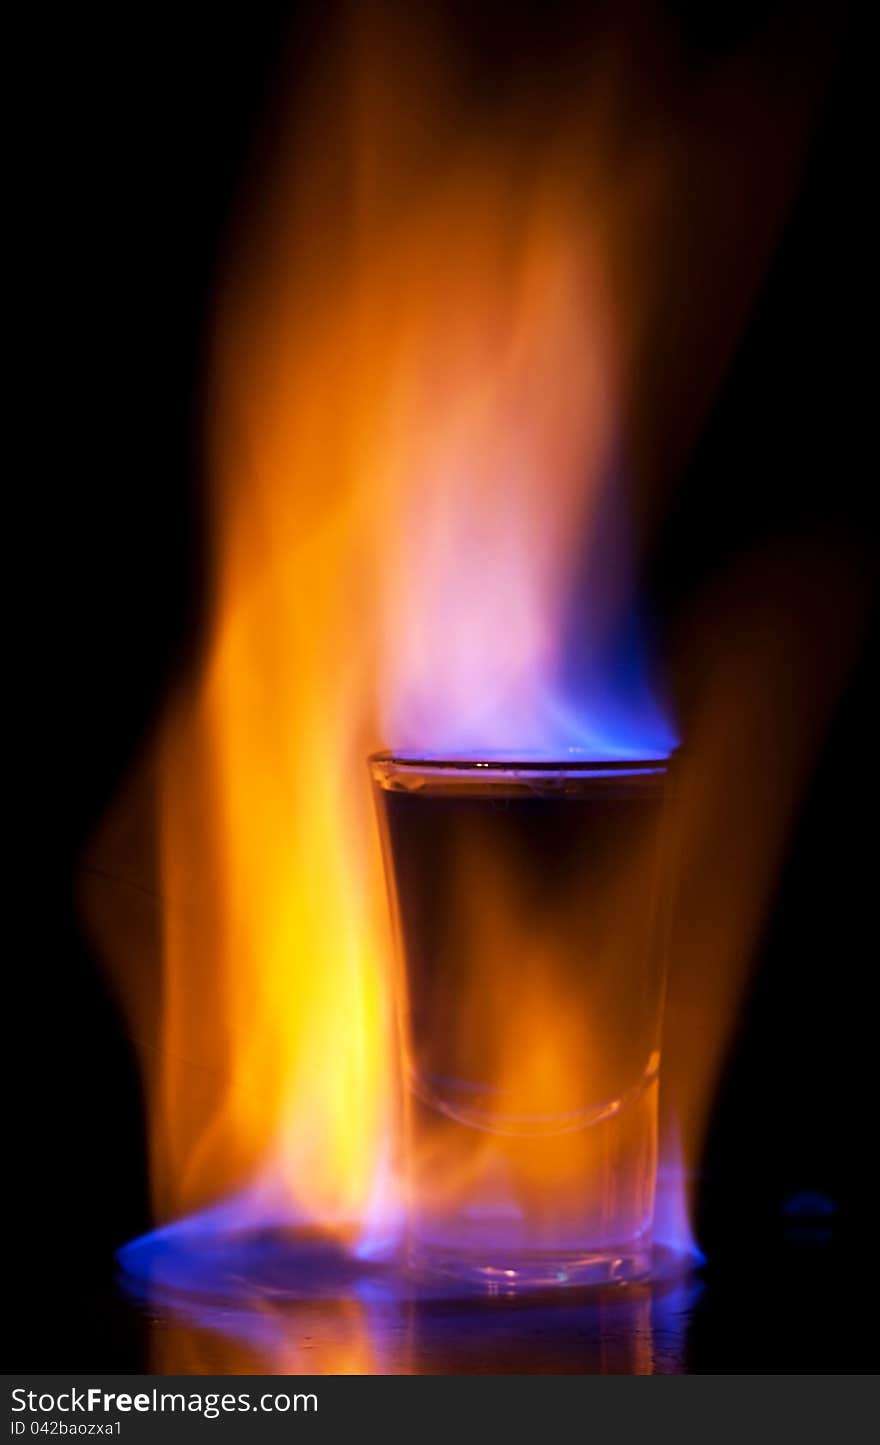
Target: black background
x,y
134,137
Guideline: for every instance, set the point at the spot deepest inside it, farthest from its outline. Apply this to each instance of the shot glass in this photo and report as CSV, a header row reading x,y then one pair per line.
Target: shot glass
x,y
527,901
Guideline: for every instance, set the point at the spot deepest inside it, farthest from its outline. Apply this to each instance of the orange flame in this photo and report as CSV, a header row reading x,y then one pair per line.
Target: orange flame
x,y
425,351
389,416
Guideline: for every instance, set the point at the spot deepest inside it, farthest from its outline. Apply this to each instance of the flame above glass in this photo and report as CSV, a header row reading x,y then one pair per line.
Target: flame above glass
x,y
422,368
413,439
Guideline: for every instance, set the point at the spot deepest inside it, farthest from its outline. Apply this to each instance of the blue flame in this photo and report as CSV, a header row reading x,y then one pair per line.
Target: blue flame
x,y
283,1303
611,699
675,1189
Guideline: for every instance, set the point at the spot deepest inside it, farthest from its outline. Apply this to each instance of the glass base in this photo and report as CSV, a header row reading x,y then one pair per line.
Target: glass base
x,y
531,1271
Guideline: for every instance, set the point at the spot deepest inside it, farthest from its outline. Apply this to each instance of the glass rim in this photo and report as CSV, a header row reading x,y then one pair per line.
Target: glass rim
x,y
575,763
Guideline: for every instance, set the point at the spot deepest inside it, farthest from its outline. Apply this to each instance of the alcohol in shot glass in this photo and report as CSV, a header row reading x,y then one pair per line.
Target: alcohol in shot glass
x,y
526,898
